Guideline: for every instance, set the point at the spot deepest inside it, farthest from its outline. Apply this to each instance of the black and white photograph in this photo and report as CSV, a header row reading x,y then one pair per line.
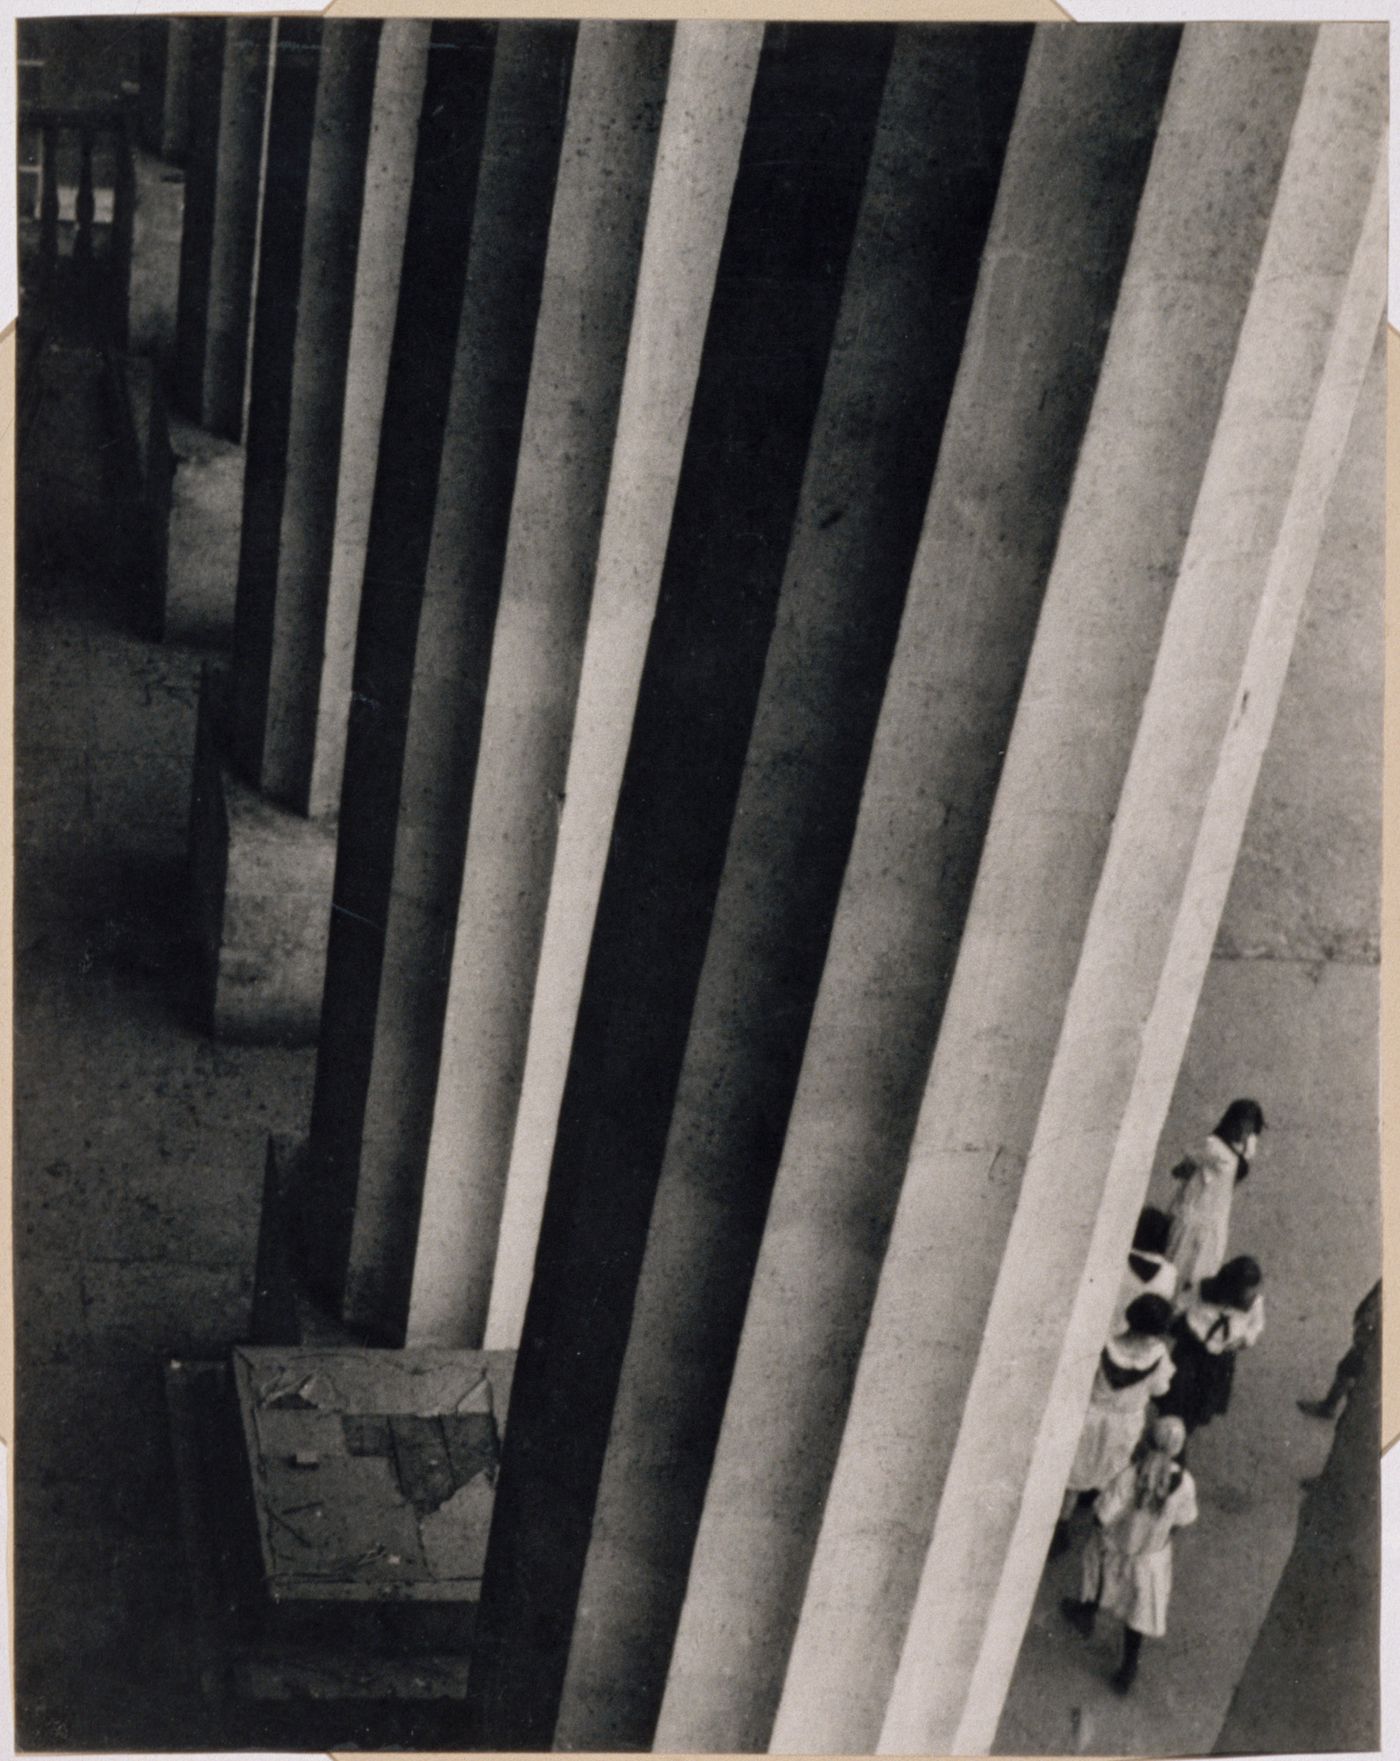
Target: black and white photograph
x,y
697,903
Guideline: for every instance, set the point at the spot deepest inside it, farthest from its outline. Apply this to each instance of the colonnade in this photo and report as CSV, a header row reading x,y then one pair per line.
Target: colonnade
x,y
227,95
769,559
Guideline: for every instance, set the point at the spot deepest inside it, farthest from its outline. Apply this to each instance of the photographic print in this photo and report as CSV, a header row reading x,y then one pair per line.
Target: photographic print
x,y
698,763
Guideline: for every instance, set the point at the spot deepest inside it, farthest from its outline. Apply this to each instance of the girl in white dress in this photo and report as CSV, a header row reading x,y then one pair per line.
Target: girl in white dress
x,y
1200,1211
1135,1367
1127,1565
1226,1318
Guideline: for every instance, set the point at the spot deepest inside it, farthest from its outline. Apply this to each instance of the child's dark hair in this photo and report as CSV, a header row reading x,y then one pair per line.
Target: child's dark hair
x,y
1151,1315
1234,1285
1241,1119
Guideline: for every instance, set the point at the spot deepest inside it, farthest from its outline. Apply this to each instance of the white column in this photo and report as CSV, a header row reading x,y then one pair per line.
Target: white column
x,y
482,1176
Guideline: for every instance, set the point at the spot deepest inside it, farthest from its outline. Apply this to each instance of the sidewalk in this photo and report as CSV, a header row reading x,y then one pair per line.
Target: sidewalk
x,y
140,1142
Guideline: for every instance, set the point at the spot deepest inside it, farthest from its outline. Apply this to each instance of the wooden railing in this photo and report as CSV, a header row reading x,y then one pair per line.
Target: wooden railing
x,y
98,256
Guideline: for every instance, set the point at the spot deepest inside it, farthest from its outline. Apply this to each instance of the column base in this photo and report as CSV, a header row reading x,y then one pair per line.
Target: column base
x,y
206,513
262,878
287,1310
153,292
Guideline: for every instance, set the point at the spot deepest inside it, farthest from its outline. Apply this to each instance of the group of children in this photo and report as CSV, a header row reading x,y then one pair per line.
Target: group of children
x,y
1184,1313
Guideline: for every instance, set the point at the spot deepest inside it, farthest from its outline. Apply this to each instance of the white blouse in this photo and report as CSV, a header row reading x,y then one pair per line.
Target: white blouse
x,y
1222,1329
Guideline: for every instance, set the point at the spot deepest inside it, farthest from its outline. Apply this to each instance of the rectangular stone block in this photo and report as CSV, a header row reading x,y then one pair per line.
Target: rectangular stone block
x,y
206,511
362,1492
154,286
261,879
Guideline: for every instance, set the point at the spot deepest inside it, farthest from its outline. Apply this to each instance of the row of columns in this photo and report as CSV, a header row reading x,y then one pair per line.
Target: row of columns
x,y
452,439
774,601
1050,278
228,88
342,133
330,196
165,86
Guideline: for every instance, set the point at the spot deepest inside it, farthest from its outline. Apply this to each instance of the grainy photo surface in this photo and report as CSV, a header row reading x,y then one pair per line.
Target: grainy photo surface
x,y
698,759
